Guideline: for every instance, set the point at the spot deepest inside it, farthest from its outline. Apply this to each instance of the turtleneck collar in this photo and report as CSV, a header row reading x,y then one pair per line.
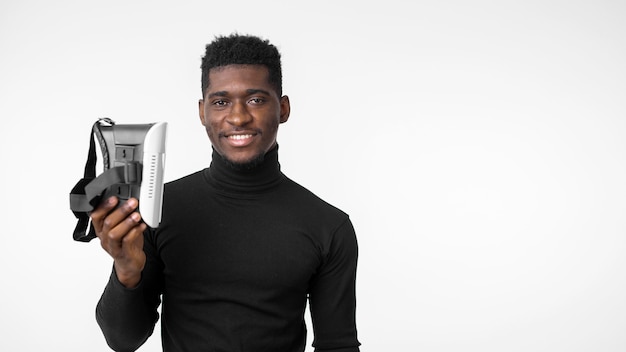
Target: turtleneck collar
x,y
227,178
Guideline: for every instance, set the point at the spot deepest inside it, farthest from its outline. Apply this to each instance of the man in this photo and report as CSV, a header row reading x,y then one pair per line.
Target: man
x,y
240,247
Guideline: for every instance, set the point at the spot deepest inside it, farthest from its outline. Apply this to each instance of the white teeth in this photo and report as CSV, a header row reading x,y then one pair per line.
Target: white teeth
x,y
240,136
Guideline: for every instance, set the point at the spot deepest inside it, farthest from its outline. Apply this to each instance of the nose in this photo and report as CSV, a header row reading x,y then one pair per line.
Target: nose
x,y
239,115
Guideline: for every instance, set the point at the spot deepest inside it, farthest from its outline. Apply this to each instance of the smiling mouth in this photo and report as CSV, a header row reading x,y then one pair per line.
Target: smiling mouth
x,y
239,137
240,140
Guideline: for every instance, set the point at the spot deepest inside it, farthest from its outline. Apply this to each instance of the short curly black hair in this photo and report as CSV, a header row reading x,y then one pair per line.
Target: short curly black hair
x,y
243,50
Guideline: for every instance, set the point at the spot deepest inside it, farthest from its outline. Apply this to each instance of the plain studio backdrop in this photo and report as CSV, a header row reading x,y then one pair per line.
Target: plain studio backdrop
x,y
479,148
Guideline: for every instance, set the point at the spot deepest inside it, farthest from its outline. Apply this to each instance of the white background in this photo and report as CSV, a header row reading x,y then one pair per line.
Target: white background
x,y
479,147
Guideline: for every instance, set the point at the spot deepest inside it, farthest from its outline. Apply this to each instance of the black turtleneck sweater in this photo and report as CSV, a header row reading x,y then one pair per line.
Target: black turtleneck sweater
x,y
234,260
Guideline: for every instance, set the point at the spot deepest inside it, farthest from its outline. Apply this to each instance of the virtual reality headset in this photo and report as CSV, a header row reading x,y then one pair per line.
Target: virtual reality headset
x,y
134,159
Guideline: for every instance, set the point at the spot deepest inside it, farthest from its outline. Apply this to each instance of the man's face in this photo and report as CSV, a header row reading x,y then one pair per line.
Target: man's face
x,y
241,112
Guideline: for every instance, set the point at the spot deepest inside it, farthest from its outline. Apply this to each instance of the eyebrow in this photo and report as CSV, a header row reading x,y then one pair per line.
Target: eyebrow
x,y
251,91
256,91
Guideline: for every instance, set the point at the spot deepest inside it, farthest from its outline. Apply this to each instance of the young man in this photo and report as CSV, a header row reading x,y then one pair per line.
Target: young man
x,y
240,247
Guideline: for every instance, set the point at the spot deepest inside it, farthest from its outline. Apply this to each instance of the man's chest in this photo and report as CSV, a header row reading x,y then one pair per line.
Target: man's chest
x,y
241,248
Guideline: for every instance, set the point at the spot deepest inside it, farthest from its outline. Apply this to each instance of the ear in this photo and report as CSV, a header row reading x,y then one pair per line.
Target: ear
x,y
201,111
285,109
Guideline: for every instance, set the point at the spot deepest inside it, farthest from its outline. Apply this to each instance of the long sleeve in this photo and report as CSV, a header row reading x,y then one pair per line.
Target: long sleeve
x,y
332,295
232,262
127,316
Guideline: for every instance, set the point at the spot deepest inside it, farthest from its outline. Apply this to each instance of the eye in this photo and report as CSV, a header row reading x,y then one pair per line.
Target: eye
x,y
256,101
219,104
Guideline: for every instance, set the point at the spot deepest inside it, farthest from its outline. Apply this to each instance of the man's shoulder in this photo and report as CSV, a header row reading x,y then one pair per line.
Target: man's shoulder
x,y
185,183
305,196
192,177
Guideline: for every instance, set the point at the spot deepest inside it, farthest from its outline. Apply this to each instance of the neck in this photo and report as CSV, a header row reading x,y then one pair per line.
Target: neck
x,y
257,176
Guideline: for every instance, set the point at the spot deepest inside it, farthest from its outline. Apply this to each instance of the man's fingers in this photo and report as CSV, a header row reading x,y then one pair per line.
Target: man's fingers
x,y
133,241
115,226
124,236
115,230
120,231
105,218
98,215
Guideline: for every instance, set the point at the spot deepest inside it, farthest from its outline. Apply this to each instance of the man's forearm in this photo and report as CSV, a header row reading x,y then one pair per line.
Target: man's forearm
x,y
124,316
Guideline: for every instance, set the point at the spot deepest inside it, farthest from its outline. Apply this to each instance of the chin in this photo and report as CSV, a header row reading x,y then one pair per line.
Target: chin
x,y
245,163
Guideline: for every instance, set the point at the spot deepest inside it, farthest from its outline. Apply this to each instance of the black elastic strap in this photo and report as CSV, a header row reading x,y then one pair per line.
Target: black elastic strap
x,y
84,197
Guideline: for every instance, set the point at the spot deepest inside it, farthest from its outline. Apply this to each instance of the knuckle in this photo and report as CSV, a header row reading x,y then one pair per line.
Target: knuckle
x,y
107,223
133,236
111,235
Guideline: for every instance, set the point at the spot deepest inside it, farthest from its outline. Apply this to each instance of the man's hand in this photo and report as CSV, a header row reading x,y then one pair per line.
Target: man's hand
x,y
121,234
